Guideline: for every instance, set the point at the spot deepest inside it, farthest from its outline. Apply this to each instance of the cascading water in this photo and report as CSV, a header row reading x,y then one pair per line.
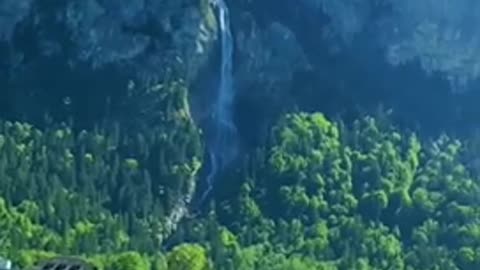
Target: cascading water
x,y
221,138
221,142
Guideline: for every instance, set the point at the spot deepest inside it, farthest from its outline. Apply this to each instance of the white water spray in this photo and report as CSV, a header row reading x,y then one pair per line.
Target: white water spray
x,y
222,144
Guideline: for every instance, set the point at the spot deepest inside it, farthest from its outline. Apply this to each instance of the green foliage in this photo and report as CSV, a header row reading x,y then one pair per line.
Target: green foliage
x,y
188,256
364,197
107,190
129,261
321,196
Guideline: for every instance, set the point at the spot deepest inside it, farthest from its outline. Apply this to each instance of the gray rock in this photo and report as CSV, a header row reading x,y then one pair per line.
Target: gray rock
x,y
440,35
141,36
266,57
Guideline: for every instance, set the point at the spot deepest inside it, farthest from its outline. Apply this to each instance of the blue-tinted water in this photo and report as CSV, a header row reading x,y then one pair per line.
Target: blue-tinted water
x,y
222,143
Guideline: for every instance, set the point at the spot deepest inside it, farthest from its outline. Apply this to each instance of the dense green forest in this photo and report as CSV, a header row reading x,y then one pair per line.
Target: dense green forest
x,y
342,161
321,194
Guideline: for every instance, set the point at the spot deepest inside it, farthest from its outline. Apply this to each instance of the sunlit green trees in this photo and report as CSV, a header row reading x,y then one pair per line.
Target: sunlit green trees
x,y
320,195
188,257
361,196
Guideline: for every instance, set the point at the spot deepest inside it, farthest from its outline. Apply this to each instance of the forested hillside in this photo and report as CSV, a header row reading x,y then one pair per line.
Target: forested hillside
x,y
240,135
321,195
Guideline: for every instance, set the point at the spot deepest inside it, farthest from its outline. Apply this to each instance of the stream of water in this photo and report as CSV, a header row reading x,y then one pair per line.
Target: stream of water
x,y
222,146
221,138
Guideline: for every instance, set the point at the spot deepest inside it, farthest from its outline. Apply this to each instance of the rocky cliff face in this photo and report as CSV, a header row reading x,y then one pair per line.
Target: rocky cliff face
x,y
61,56
269,56
362,54
76,53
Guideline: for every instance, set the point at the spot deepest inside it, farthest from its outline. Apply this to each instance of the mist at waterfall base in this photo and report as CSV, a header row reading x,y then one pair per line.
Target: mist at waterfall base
x,y
222,145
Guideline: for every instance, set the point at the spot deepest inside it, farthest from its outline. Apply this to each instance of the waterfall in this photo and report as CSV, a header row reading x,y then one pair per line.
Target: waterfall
x,y
222,146
221,138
